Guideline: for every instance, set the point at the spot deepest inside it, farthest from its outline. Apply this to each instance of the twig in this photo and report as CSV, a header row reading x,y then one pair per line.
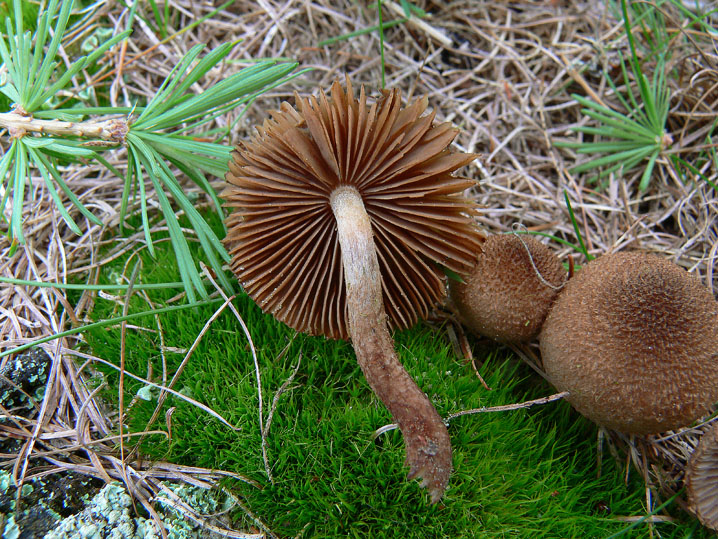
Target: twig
x,y
113,130
508,407
484,409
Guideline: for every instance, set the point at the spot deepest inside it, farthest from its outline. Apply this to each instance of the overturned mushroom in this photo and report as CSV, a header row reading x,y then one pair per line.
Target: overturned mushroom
x,y
342,215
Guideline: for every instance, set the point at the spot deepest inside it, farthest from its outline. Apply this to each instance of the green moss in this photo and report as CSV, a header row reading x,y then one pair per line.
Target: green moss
x,y
525,473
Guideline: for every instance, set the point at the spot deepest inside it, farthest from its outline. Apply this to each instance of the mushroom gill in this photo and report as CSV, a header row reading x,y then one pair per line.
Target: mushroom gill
x,y
342,215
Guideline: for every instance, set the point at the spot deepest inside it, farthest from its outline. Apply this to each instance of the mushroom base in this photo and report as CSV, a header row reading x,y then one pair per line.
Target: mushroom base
x,y
428,448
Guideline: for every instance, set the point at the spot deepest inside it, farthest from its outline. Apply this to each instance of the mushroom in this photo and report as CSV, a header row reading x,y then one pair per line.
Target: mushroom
x,y
510,290
342,216
634,339
702,479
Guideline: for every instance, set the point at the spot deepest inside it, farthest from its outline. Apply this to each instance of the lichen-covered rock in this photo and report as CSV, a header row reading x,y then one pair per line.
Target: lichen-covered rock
x,y
107,516
23,379
44,501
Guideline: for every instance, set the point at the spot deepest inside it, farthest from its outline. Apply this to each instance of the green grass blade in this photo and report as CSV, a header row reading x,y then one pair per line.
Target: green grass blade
x,y
630,128
188,144
575,227
196,175
59,84
88,286
40,39
53,192
612,158
185,261
615,133
605,147
84,111
676,160
69,148
20,177
140,182
5,163
367,30
214,57
24,49
46,67
646,177
160,21
208,239
143,205
245,100
10,91
206,236
68,192
596,108
635,109
18,17
127,187
104,47
234,89
562,241
10,57
103,323
215,166
167,86
381,44
190,211
622,166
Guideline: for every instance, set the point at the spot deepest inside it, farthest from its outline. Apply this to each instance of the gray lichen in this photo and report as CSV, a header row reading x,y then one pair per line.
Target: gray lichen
x,y
107,516
43,502
23,379
70,505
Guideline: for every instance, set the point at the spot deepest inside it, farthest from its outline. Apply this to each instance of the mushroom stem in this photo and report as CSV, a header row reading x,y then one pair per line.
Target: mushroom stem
x,y
428,448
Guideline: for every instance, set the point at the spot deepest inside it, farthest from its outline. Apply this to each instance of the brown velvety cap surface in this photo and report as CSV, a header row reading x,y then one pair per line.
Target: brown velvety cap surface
x,y
503,298
281,231
634,339
702,479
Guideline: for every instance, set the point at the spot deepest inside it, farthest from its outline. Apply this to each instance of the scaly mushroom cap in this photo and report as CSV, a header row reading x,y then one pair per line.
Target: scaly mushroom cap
x,y
702,479
282,235
510,290
634,339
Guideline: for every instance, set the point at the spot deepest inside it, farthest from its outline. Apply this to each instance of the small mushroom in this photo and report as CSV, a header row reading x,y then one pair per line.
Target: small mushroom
x,y
510,290
634,339
702,479
342,215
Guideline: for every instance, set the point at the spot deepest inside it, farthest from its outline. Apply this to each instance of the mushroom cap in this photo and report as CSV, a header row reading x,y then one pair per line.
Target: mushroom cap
x,y
634,339
282,234
702,479
503,297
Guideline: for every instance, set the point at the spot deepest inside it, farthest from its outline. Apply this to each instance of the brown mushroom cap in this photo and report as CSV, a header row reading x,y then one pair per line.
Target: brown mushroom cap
x,y
282,235
634,339
503,297
702,479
